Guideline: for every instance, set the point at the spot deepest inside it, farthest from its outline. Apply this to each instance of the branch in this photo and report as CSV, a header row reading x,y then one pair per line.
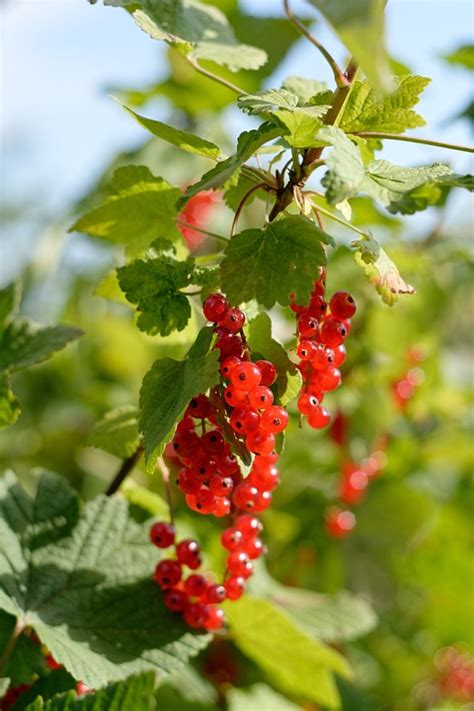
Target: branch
x,y
125,469
339,76
242,205
412,139
214,77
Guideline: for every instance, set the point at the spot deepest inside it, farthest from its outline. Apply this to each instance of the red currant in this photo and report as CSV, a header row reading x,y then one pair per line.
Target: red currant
x,y
234,397
261,397
200,407
333,332
339,355
195,585
329,379
307,404
244,420
232,538
264,500
216,594
188,553
342,305
260,442
248,525
228,365
340,523
215,619
213,442
221,507
221,485
215,307
238,563
162,534
254,548
268,371
196,614
308,326
246,376
307,350
168,573
319,418
187,482
245,496
175,600
235,587
275,419
234,320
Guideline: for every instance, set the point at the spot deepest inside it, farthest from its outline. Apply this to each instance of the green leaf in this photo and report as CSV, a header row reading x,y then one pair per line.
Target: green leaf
x,y
4,685
183,139
368,110
134,693
305,89
167,389
234,195
464,56
75,576
10,408
139,209
296,663
260,340
346,169
380,270
258,697
301,125
117,432
146,500
26,658
46,687
154,285
26,343
360,25
267,101
9,300
434,192
234,57
222,173
268,264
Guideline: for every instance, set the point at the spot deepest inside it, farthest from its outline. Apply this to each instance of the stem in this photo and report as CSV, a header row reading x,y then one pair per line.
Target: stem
x,y
199,229
318,217
242,205
125,469
334,217
339,76
165,473
10,646
413,139
214,77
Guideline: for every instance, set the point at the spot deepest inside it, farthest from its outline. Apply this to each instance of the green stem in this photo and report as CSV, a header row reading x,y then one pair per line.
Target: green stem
x,y
339,76
413,139
165,473
214,77
220,238
10,645
334,217
241,206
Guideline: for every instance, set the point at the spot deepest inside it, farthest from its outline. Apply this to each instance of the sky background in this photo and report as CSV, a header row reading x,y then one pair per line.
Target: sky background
x,y
59,126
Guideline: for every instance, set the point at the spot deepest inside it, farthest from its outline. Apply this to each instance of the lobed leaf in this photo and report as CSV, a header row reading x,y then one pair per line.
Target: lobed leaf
x,y
24,343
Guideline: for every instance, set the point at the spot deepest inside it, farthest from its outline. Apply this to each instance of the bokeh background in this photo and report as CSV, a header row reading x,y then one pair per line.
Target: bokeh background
x,y
407,394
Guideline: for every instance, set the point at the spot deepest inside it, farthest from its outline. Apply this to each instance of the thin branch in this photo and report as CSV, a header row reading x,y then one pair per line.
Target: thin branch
x,y
318,218
339,76
242,204
413,139
214,77
334,217
220,238
10,645
124,470
165,473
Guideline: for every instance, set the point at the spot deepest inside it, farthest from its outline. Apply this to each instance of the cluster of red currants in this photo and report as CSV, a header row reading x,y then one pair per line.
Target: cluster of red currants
x,y
321,334
241,411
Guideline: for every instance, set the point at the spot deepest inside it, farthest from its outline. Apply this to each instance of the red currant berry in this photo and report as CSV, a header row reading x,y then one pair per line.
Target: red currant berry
x,y
265,479
254,548
205,501
232,539
307,350
52,663
342,305
319,419
234,397
221,485
246,376
216,594
244,419
297,308
228,365
227,465
168,573
238,563
317,306
261,397
203,466
187,482
213,442
329,379
162,534
260,442
195,614
333,332
307,404
81,688
340,523
186,443
322,358
264,500
275,419
195,585
268,371
215,307
175,600
187,423
234,320
353,487
189,553
308,326
221,507
229,345
235,587
245,495
200,407
215,619
248,525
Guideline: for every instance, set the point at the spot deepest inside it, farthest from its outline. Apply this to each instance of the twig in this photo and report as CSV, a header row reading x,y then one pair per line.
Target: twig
x,y
339,76
214,77
125,469
10,645
318,217
334,217
165,473
242,204
413,139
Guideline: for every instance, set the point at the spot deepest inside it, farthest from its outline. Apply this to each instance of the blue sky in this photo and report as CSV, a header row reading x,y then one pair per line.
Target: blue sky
x,y
59,127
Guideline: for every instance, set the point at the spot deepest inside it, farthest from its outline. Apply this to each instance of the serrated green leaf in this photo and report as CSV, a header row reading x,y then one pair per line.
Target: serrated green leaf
x,y
260,339
368,110
26,658
296,663
234,57
222,173
154,286
346,169
9,301
259,697
183,139
234,195
380,270
117,432
360,25
268,264
46,687
267,101
167,389
433,192
25,343
10,408
139,209
301,125
108,288
135,693
463,56
305,89
75,578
